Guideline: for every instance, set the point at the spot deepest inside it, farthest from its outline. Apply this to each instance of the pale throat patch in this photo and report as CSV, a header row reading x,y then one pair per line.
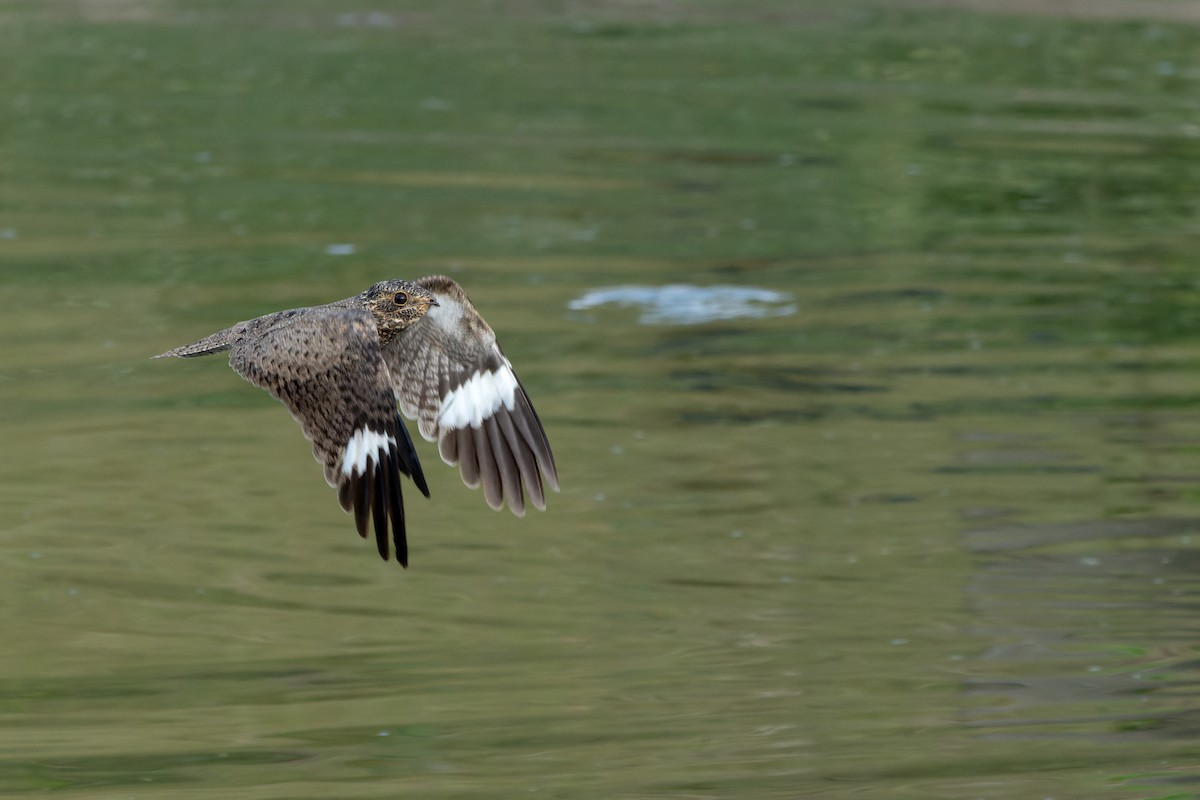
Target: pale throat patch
x,y
479,397
446,314
365,445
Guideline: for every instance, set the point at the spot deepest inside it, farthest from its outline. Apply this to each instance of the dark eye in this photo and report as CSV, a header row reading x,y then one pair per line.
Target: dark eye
x,y
401,298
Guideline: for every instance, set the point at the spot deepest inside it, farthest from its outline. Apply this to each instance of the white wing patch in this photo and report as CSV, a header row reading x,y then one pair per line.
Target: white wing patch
x,y
365,445
478,398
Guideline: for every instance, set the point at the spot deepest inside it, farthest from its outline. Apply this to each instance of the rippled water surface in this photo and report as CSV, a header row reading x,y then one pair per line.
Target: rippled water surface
x,y
865,335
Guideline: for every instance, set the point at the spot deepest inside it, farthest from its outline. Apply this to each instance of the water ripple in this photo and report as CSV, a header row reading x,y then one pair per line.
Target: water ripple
x,y
686,304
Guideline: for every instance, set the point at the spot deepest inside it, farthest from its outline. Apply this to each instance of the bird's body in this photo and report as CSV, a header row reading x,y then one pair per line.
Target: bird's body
x,y
341,368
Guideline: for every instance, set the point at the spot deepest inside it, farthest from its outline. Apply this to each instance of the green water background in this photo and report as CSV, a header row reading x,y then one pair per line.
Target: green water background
x,y
931,535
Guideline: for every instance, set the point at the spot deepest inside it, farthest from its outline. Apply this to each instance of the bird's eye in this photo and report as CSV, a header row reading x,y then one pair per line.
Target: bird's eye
x,y
401,298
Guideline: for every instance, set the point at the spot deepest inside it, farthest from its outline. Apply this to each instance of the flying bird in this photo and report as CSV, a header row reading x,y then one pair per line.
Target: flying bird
x,y
342,368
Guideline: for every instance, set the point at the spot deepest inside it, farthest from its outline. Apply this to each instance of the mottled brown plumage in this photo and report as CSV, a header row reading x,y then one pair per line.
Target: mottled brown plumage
x,y
340,368
452,351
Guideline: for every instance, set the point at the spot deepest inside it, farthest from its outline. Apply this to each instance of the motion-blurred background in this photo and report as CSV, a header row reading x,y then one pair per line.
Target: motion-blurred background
x,y
866,335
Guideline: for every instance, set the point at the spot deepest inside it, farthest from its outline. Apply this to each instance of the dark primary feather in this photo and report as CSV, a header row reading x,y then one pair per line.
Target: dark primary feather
x,y
407,461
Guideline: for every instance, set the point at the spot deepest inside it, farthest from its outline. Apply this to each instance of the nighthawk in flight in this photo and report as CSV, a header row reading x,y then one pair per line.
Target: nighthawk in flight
x,y
342,368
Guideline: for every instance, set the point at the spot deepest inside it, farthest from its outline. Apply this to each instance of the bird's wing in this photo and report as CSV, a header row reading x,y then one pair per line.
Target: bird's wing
x,y
326,366
449,375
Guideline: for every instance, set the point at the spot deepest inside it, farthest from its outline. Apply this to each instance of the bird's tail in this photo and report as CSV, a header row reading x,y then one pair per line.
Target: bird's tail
x,y
216,343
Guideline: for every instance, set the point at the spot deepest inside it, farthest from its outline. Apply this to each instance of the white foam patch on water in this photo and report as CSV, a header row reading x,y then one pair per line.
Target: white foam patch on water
x,y
686,304
478,398
364,445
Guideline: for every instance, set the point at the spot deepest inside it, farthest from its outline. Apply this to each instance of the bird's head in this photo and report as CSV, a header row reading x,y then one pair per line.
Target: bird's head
x,y
396,305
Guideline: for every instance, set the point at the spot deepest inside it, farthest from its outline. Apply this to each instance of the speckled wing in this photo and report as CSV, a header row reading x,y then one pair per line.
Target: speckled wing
x,y
450,375
326,366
